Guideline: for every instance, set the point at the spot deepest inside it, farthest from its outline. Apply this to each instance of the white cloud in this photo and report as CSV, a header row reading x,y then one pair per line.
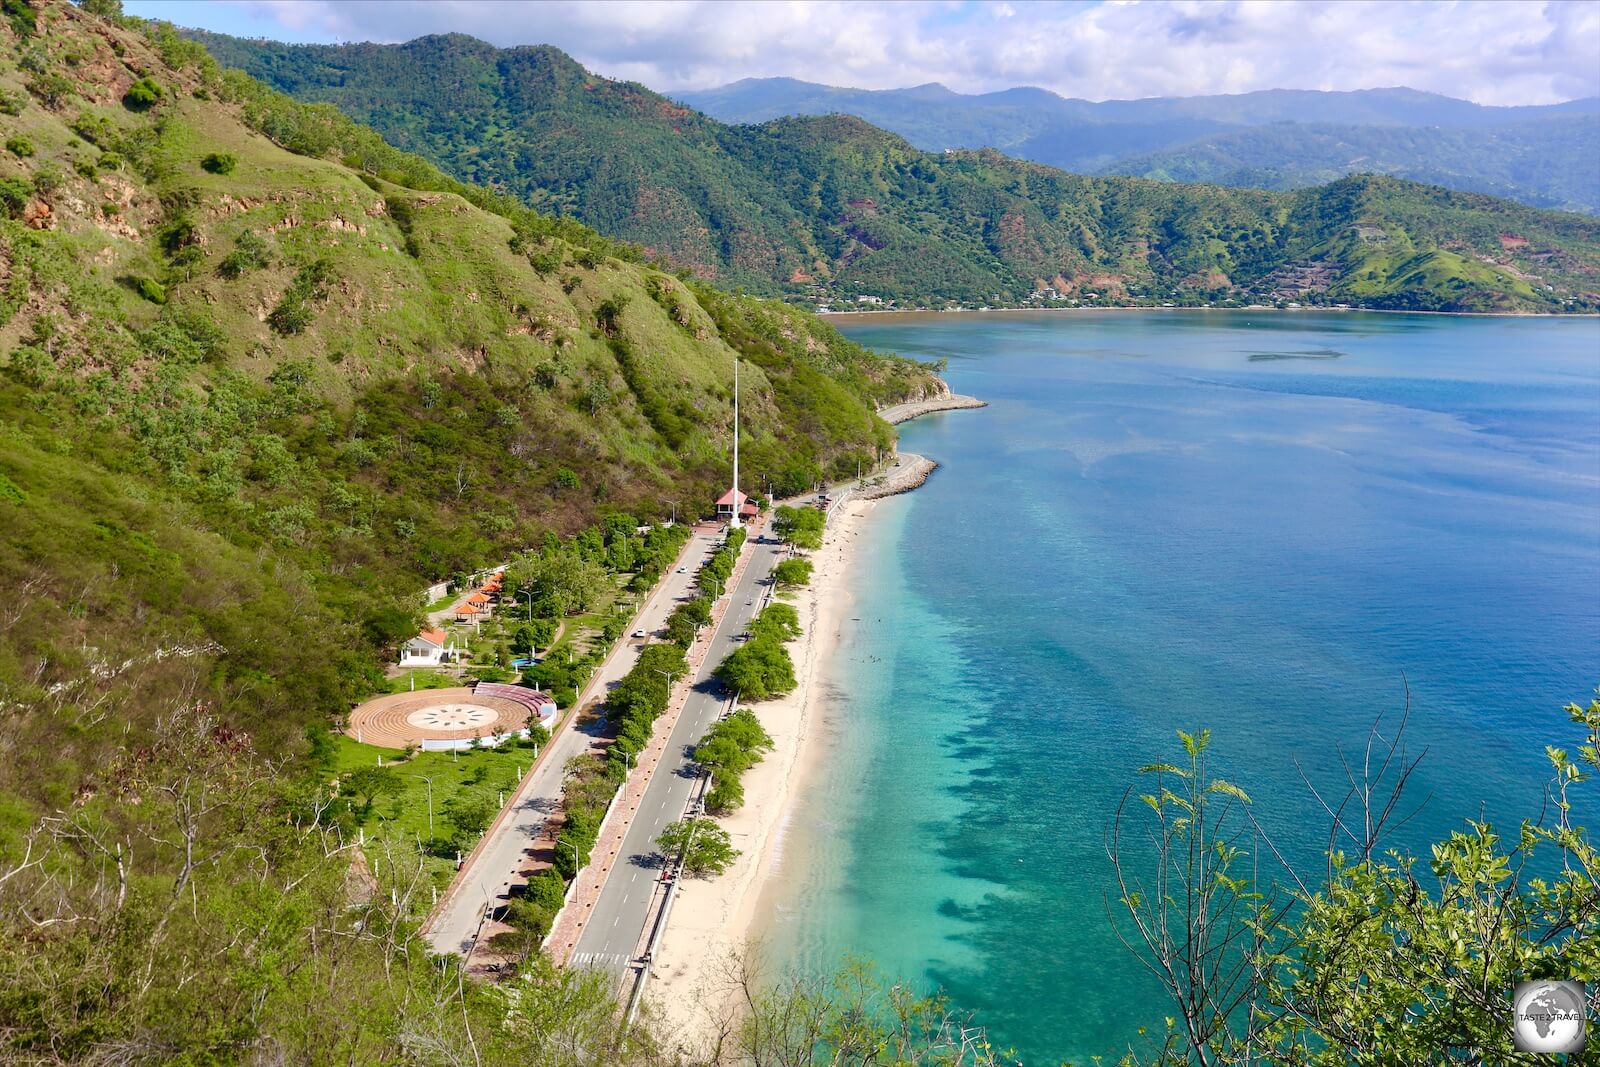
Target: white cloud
x,y
1484,50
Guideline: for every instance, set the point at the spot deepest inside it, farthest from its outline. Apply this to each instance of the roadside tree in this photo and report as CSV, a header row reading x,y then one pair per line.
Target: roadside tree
x,y
791,573
705,847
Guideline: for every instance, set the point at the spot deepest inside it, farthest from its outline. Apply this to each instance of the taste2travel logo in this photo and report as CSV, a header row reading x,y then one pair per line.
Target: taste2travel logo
x,y
1550,1016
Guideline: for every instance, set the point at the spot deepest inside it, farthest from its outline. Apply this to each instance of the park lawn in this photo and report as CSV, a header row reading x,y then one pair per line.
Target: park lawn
x,y
579,633
423,678
443,602
397,831
352,755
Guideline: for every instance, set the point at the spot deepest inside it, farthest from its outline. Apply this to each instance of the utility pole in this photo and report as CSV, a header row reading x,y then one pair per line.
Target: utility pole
x,y
429,780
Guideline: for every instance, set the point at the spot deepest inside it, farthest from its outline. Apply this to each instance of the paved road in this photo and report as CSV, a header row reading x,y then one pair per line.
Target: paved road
x,y
504,854
615,926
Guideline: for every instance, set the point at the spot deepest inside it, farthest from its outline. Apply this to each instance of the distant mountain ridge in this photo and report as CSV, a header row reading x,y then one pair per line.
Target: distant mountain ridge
x,y
833,208
1543,155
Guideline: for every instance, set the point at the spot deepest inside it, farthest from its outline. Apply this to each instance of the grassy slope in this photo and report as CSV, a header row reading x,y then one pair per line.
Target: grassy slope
x,y
829,200
184,475
210,522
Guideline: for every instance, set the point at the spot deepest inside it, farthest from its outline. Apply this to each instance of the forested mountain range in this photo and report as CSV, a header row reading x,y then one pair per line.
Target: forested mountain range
x,y
831,207
1545,156
262,378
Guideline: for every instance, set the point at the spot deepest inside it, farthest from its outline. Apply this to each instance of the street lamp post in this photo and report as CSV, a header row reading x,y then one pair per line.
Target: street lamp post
x,y
529,594
429,780
668,675
575,863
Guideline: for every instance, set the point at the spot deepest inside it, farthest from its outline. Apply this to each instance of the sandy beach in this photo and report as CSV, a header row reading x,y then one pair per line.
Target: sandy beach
x,y
713,918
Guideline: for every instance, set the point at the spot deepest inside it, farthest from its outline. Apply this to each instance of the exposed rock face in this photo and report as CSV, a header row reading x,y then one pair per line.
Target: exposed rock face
x,y
38,215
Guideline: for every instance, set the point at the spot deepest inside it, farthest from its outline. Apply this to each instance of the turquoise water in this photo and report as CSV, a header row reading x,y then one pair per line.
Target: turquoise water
x,y
1258,524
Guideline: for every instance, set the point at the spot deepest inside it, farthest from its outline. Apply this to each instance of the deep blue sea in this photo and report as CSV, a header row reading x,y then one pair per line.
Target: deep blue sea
x,y
1265,524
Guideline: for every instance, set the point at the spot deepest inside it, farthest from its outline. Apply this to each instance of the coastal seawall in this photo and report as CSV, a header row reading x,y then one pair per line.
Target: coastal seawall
x,y
898,413
908,471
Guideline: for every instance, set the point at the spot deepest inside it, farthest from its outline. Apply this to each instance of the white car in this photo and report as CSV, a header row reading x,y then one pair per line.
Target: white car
x,y
638,633
681,570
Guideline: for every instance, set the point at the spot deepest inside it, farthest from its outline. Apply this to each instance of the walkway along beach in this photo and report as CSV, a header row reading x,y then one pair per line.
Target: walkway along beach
x,y
713,919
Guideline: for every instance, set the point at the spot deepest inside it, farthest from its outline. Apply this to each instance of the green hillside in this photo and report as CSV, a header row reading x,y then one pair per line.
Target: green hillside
x,y
833,208
262,378
232,308
1547,163
1544,155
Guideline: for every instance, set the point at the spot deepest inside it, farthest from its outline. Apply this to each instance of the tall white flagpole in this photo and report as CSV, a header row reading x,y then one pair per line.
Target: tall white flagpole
x,y
736,521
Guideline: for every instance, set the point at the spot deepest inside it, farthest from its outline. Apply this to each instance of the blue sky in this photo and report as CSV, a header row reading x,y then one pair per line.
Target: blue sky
x,y
1491,51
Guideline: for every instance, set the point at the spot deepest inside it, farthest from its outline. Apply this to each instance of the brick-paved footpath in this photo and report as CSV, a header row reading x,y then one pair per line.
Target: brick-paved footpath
x,y
574,916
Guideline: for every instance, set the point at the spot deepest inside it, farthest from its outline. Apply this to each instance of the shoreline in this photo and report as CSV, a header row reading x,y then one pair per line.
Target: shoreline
x,y
829,315
714,919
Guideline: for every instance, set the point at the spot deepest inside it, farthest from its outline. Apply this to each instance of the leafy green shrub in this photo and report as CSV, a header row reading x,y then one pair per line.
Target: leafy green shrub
x,y
142,95
297,308
547,261
608,315
566,478
11,492
250,252
186,337
219,163
150,289
24,20
47,178
51,89
12,103
95,129
111,161
19,146
85,168
14,195
547,890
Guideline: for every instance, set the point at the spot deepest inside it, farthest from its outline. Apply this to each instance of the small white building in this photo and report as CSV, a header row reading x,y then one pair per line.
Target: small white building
x,y
428,649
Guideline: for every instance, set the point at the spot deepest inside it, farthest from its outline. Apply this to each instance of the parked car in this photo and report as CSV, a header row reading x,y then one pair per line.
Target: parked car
x,y
638,633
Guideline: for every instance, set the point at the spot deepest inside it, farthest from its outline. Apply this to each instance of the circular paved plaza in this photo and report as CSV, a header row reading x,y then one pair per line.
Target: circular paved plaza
x,y
402,719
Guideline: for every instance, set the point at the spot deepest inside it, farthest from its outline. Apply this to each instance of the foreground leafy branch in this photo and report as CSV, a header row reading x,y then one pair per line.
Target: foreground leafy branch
x,y
1390,958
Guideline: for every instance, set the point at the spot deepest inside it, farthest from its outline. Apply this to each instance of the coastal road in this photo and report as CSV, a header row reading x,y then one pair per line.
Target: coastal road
x,y
500,858
616,924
